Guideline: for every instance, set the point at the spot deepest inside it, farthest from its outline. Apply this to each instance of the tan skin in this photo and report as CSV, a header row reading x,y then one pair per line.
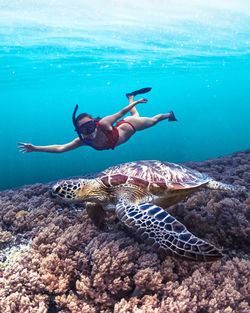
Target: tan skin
x,y
99,140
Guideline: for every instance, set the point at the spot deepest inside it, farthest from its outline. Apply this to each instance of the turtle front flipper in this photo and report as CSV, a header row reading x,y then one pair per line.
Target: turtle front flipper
x,y
96,213
164,232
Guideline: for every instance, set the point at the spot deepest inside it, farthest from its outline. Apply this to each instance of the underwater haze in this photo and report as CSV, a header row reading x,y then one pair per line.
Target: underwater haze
x,y
56,54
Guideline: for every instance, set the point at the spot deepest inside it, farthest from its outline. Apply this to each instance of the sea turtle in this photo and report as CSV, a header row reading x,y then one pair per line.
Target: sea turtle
x,y
139,192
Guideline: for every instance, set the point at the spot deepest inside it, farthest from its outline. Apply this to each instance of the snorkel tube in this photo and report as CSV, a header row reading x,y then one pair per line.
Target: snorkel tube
x,y
85,141
75,124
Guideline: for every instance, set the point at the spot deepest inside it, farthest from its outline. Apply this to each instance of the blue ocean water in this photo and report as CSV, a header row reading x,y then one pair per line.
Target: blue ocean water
x,y
54,54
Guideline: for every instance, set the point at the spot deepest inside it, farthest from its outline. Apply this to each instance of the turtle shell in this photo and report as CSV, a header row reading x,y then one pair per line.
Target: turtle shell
x,y
154,174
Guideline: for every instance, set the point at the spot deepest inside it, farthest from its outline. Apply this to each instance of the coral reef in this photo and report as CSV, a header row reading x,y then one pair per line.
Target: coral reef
x,y
72,266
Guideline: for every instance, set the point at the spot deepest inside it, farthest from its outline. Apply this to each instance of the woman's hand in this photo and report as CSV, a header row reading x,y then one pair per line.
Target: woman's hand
x,y
26,147
142,100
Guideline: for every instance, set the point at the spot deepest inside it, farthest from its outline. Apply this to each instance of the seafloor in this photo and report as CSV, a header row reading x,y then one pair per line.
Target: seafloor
x,y
53,259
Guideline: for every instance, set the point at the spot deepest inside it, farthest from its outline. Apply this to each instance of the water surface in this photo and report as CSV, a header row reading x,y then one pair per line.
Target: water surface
x,y
54,54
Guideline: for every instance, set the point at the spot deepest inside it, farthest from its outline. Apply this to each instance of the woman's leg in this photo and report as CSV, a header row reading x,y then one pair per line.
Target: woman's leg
x,y
141,123
133,111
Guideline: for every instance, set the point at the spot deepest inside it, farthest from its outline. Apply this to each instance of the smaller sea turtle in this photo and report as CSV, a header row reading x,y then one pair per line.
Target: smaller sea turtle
x,y
139,192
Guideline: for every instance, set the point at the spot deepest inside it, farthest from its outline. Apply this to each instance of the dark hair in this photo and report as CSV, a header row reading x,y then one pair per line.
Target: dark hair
x,y
82,115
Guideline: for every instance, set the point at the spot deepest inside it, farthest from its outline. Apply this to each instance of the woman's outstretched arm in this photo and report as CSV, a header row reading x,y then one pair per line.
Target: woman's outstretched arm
x,y
28,147
109,120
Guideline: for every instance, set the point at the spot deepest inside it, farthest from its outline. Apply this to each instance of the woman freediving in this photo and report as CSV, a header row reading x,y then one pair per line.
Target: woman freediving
x,y
99,133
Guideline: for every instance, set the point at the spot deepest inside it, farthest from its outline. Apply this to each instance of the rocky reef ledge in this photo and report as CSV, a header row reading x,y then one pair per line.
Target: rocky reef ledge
x,y
53,259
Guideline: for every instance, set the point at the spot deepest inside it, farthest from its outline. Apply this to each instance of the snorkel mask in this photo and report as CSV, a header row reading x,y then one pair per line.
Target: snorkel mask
x,y
86,129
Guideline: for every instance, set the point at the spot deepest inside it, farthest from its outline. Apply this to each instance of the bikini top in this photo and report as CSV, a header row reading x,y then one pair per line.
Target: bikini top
x,y
111,135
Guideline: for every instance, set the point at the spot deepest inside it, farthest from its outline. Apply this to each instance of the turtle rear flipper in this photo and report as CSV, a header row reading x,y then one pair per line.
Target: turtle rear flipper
x,y
164,232
213,184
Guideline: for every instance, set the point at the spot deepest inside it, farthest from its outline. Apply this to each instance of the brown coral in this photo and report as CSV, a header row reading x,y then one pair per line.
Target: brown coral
x,y
74,267
4,236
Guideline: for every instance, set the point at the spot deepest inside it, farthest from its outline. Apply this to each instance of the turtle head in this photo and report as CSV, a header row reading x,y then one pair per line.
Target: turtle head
x,y
78,190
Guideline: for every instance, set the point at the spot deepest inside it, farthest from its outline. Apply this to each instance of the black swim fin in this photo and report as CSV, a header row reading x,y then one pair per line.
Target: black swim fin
x,y
172,117
138,92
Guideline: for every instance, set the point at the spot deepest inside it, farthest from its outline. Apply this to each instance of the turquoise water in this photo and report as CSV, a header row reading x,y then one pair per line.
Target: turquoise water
x,y
54,54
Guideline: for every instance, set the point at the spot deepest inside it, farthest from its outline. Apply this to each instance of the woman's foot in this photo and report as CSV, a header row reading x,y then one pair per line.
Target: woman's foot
x,y
138,92
172,117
